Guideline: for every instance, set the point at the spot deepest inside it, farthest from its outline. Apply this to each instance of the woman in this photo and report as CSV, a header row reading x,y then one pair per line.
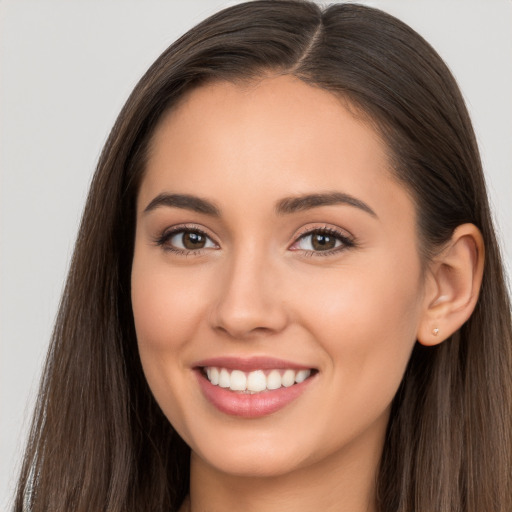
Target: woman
x,y
286,290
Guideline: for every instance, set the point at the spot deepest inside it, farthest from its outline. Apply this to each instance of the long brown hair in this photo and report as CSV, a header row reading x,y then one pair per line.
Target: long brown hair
x,y
100,442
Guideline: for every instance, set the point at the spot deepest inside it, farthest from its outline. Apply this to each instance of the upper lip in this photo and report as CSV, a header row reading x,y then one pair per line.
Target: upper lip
x,y
249,364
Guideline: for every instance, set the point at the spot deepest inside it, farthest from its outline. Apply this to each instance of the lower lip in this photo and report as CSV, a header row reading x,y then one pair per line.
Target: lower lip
x,y
247,405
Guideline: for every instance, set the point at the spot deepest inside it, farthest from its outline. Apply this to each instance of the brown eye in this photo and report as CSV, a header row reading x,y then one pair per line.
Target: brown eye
x,y
323,242
188,240
192,240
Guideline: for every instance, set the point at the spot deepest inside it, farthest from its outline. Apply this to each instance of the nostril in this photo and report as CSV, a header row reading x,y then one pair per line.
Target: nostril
x,y
239,321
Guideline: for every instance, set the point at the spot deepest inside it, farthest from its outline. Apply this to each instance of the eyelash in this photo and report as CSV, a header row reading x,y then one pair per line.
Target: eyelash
x,y
166,236
346,242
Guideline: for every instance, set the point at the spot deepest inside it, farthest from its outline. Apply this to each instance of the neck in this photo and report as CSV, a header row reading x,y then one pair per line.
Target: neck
x,y
343,482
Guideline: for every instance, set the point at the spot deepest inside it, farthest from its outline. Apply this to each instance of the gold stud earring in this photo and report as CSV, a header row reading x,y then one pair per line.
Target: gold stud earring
x,y
435,331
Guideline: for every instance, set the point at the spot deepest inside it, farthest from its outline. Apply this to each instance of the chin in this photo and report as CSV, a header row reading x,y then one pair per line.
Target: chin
x,y
262,463
249,452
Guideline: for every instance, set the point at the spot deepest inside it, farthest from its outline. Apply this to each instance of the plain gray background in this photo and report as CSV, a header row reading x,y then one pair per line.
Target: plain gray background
x,y
66,68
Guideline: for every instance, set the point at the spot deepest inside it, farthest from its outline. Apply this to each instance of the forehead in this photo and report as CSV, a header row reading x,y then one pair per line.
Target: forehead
x,y
275,104
272,138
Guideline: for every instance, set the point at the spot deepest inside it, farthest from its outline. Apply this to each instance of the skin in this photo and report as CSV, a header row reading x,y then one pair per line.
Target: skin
x,y
258,288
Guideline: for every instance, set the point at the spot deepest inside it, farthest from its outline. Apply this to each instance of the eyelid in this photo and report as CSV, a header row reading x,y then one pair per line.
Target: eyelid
x,y
171,231
347,239
311,228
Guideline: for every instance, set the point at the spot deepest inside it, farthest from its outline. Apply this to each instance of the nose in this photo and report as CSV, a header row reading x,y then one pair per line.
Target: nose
x,y
250,300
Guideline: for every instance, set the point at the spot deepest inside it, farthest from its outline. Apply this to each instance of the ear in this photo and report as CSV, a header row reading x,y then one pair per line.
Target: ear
x,y
452,285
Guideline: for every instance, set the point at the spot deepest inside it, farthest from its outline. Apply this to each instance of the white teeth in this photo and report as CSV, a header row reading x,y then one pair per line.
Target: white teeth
x,y
213,375
274,380
224,378
255,381
238,381
302,375
288,378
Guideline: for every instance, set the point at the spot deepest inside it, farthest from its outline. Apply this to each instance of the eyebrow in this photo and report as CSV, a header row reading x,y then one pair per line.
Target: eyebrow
x,y
285,206
184,201
306,202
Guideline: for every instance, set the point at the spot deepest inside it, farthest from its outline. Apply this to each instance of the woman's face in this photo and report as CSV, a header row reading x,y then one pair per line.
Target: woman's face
x,y
273,246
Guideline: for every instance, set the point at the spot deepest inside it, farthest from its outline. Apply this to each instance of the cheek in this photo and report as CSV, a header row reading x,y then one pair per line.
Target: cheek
x,y
367,322
165,310
165,313
164,307
369,313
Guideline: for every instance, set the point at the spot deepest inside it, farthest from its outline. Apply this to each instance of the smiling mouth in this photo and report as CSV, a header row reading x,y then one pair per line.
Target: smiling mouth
x,y
256,381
